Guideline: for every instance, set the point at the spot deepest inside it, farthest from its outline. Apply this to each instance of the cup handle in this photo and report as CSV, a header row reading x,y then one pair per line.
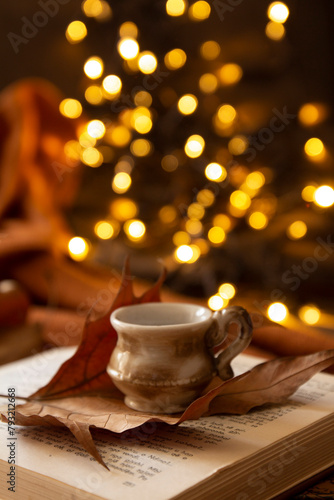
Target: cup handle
x,y
217,333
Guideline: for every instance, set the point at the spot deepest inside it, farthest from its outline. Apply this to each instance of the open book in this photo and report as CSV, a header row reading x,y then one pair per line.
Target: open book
x,y
254,456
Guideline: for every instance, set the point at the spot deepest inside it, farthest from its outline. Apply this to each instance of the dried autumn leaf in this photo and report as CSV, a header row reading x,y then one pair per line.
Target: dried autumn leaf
x,y
86,370
270,382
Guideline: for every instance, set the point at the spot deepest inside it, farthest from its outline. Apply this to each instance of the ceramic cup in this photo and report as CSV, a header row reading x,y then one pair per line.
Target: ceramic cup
x,y
164,356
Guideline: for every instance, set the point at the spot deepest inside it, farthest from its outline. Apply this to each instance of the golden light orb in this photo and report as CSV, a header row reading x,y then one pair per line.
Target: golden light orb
x,y
92,157
78,248
104,230
94,67
230,74
215,172
278,12
96,129
227,291
147,62
217,302
135,229
258,220
175,59
210,50
314,147
123,209
226,114
308,193
296,230
76,31
112,84
181,238
141,147
194,146
187,104
199,11
241,200
277,312
128,29
309,314
275,31
324,196
216,235
208,83
183,253
128,48
121,182
71,108
94,95
175,8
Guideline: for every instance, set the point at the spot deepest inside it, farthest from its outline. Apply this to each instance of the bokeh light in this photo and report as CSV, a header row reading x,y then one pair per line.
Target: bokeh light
x,y
78,248
277,312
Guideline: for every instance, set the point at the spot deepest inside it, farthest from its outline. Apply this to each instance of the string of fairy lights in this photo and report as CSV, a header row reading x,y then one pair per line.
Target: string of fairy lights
x,y
99,142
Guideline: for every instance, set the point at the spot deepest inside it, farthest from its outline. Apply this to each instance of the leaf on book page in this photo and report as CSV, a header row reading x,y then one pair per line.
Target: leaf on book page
x,y
86,372
79,415
270,382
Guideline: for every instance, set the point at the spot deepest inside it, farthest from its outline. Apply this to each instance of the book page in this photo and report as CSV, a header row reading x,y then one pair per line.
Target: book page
x,y
153,461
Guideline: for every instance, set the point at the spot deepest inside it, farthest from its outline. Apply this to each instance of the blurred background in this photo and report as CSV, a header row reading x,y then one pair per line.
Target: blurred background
x,y
205,136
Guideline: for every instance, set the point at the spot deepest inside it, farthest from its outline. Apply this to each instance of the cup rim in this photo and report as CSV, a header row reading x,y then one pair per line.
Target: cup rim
x,y
200,320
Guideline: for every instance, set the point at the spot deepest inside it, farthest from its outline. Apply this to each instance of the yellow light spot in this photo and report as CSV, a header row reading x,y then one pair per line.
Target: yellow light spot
x,y
94,67
275,31
71,108
93,95
78,248
128,29
92,157
187,104
194,146
208,83
118,136
230,74
258,220
123,209
324,196
92,8
314,147
143,98
121,182
217,302
196,254
215,172
175,8
255,180
205,197
308,193
217,235
223,221
135,229
147,62
309,314
194,227
112,84
76,31
142,124
181,238
168,214
210,50
227,290
277,312
128,48
238,145
278,12
199,11
169,163
241,200
175,59
297,230
226,114
195,211
183,253
96,129
141,147
312,114
104,230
